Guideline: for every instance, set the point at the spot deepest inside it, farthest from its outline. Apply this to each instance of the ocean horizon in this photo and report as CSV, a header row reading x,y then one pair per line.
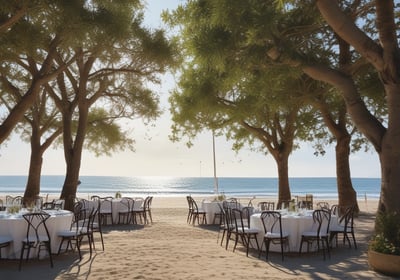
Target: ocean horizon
x,y
320,187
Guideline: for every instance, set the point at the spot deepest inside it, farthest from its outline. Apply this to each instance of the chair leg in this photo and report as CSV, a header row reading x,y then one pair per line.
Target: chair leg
x,y
301,246
48,246
21,257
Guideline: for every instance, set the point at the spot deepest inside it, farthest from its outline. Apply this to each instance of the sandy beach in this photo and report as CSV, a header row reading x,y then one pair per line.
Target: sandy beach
x,y
171,249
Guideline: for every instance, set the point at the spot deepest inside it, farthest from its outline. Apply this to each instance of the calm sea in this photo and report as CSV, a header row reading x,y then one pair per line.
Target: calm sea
x,y
321,187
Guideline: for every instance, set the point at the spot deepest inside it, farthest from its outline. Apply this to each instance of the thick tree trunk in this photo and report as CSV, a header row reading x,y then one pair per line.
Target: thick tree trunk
x,y
32,188
73,153
283,178
390,183
71,182
346,193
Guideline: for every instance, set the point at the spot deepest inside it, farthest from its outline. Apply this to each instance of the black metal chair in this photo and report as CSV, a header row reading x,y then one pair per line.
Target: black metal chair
x,y
198,213
190,209
77,231
319,233
241,230
345,226
37,235
274,234
266,206
147,209
125,211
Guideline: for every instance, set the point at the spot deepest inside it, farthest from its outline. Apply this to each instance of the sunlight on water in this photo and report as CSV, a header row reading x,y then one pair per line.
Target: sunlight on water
x,y
182,186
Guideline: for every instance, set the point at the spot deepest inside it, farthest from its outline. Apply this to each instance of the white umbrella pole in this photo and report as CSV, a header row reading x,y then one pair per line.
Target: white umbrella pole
x,y
215,167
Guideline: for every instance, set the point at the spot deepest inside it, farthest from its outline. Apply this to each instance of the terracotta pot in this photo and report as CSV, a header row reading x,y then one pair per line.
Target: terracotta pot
x,y
384,263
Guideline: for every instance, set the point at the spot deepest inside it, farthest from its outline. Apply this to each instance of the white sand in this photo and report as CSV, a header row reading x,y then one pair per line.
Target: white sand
x,y
171,249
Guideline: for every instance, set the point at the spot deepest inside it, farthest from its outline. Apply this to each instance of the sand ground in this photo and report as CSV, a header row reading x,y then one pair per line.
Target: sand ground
x,y
171,249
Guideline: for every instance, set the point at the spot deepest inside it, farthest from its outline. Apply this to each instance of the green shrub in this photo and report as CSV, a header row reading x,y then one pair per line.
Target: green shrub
x,y
387,238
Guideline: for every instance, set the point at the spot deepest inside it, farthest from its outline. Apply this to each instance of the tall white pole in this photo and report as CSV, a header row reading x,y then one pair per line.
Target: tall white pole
x,y
215,166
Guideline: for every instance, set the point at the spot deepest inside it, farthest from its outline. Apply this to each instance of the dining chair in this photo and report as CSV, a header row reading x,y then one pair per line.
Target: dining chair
x,y
17,200
74,235
190,209
59,204
229,227
37,236
125,210
2,206
345,226
273,233
48,206
9,200
266,206
89,226
105,210
233,203
147,209
198,213
138,210
309,201
222,225
246,234
319,232
323,205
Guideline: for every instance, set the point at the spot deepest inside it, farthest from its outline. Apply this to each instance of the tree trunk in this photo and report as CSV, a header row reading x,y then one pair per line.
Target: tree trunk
x,y
73,153
283,177
32,188
71,182
346,193
390,181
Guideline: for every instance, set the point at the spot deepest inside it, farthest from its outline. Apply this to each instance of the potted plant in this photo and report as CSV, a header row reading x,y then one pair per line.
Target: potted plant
x,y
384,248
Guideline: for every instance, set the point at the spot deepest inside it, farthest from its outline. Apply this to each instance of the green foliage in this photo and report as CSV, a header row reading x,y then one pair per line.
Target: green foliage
x,y
387,238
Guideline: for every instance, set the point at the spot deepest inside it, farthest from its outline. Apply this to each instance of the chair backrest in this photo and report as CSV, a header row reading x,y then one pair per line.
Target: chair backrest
x,y
36,226
139,203
127,203
272,221
347,219
322,219
17,200
106,204
266,206
246,213
9,200
323,205
283,204
195,208
147,203
190,203
238,219
48,205
231,203
59,203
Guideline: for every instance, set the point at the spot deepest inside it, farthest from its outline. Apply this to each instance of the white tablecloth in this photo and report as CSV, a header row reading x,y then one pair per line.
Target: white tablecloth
x,y
211,207
15,226
293,223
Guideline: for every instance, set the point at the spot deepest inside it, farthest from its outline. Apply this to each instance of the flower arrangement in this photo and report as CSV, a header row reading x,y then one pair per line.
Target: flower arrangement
x,y
118,195
220,197
387,239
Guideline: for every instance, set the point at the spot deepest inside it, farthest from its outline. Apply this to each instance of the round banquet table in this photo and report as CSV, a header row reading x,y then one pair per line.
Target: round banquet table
x,y
293,223
14,225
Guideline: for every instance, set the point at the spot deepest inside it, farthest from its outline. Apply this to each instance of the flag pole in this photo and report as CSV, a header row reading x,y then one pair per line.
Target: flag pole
x,y
215,167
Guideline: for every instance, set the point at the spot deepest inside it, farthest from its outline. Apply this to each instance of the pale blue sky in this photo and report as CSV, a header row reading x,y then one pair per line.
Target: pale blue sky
x,y
156,155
